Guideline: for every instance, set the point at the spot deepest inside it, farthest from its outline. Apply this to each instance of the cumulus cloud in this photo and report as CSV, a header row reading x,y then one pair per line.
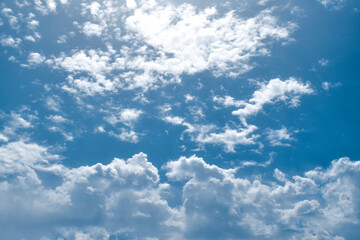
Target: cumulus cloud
x,y
300,208
127,199
92,202
35,58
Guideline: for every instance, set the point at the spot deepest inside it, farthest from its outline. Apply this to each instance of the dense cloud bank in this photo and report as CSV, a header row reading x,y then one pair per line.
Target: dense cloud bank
x,y
127,200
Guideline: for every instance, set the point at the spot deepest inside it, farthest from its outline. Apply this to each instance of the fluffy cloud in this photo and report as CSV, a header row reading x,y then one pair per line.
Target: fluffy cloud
x,y
162,42
35,58
82,203
127,117
220,205
126,199
275,90
277,137
92,29
8,41
45,7
202,40
211,134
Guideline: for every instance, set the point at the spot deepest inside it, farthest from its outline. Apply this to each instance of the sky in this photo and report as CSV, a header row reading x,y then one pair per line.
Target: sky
x,y
154,119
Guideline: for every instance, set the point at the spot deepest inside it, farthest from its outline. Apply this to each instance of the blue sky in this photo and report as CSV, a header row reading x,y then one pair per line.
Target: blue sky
x,y
179,119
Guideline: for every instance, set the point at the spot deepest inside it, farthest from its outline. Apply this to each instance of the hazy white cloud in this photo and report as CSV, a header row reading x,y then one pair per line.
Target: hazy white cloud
x,y
324,62
3,138
328,85
332,4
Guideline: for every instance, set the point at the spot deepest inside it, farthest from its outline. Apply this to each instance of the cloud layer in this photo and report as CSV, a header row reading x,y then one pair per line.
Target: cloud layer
x,y
127,199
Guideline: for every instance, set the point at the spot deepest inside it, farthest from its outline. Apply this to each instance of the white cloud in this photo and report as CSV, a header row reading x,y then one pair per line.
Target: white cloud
x,y
66,135
163,42
324,62
22,157
123,195
35,58
131,4
92,29
45,7
188,98
53,103
328,85
277,137
127,116
126,199
229,138
228,101
3,138
15,122
275,90
8,41
210,134
57,119
62,39
202,40
22,3
13,20
332,4
302,208
126,135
